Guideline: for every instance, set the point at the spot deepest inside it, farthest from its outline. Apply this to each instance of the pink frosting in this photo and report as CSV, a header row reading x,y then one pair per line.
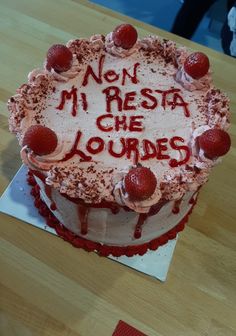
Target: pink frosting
x,y
118,51
190,83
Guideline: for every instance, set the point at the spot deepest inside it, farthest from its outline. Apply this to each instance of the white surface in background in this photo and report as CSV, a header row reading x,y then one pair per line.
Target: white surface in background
x,y
17,202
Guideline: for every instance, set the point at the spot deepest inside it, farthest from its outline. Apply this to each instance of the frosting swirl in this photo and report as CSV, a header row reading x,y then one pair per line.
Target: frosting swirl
x,y
122,198
118,51
190,83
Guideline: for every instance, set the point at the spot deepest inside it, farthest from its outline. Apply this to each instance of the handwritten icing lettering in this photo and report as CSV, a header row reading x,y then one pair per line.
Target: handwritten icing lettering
x,y
110,75
67,95
173,142
147,93
113,94
133,77
161,148
131,148
89,72
120,115
164,98
109,122
95,145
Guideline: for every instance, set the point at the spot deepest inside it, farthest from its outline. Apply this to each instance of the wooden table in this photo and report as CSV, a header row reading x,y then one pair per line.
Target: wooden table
x,y
50,288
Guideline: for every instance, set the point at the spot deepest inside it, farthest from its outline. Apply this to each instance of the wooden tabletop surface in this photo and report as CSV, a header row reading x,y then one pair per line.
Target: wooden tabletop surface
x,y
50,288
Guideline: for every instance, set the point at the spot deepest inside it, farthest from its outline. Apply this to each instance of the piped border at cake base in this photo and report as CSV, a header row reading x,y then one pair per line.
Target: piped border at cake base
x,y
101,249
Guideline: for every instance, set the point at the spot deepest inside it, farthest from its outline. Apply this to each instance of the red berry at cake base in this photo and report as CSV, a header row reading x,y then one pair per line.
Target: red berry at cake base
x,y
214,142
40,139
197,65
59,58
125,36
140,183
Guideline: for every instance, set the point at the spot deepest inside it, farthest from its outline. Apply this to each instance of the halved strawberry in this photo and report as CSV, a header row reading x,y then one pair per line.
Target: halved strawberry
x,y
59,57
214,142
140,183
197,65
125,36
40,139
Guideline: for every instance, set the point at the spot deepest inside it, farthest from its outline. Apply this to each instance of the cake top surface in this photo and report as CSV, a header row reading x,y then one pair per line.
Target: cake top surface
x,y
116,105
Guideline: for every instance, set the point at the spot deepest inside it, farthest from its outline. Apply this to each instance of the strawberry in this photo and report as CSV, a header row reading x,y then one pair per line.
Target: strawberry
x,y
59,57
196,65
40,139
140,183
125,36
214,142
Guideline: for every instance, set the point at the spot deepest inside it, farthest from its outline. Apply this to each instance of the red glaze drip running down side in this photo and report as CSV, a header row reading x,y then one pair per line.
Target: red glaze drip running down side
x,y
176,206
88,245
193,199
47,188
138,228
48,192
38,174
83,217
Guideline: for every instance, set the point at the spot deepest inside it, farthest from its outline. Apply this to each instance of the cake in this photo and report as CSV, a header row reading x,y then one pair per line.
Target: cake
x,y
119,134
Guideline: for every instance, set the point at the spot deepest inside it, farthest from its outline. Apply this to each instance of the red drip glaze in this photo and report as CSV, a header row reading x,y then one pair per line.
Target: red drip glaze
x,y
47,188
48,192
193,199
176,206
38,174
138,228
157,207
75,151
83,217
107,205
102,250
68,95
53,206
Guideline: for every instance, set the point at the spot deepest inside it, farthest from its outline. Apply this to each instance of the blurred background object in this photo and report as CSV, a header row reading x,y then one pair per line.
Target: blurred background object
x,y
202,21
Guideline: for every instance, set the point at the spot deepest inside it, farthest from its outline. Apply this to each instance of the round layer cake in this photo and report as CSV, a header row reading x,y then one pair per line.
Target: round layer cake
x,y
120,133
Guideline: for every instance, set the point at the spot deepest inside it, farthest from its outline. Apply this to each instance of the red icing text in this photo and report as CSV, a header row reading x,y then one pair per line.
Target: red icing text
x,y
109,76
126,106
133,149
72,94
